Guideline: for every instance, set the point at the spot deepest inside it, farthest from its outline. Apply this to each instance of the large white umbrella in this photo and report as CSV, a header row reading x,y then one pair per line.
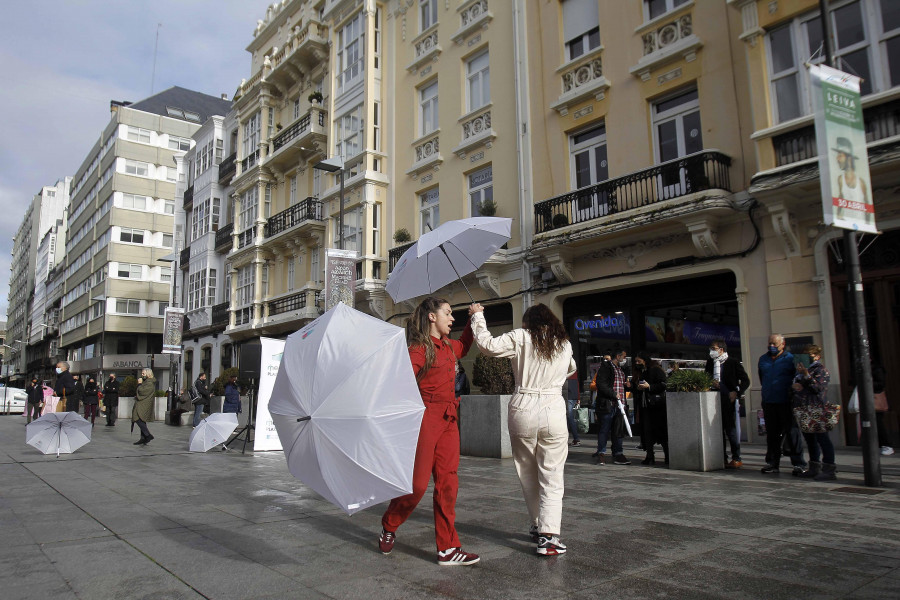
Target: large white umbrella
x,y
454,249
62,433
347,408
212,431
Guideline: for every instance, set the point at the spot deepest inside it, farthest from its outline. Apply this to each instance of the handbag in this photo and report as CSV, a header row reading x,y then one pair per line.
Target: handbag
x,y
817,418
881,403
654,400
582,419
853,405
61,405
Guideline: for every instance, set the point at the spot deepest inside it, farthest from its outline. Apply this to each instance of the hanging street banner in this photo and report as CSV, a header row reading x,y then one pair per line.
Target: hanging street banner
x,y
172,325
266,437
843,158
340,277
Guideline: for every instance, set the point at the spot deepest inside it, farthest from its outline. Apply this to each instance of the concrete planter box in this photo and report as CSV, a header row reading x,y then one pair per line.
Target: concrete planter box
x,y
126,404
695,431
159,414
483,427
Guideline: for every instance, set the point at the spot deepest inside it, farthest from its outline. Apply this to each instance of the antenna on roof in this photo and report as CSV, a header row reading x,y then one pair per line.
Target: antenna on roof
x,y
155,48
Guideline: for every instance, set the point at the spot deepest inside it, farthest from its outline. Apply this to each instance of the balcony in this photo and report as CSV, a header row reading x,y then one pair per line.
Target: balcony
x,y
188,197
287,304
674,179
223,238
882,121
220,315
249,162
309,209
227,169
306,132
184,258
394,255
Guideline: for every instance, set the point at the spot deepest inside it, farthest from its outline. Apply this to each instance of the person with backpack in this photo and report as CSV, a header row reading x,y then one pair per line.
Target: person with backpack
x,y
200,398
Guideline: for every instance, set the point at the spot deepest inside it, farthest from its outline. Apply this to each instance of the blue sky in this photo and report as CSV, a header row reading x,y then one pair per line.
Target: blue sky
x,y
64,60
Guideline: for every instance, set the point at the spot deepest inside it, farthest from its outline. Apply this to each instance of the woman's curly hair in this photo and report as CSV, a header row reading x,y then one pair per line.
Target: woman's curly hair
x,y
548,335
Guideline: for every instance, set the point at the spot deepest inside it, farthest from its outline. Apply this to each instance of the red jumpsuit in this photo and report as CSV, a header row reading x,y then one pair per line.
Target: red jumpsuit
x,y
437,451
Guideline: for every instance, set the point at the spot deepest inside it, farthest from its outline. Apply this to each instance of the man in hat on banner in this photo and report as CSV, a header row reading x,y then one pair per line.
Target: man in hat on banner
x,y
850,186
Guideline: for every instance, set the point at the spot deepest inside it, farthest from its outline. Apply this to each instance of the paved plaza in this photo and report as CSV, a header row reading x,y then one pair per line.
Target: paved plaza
x,y
117,521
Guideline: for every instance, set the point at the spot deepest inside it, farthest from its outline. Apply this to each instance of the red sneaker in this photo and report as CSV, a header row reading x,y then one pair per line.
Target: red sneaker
x,y
456,557
386,541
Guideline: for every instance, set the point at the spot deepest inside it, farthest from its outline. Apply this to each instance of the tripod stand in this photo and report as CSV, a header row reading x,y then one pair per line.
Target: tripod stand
x,y
246,430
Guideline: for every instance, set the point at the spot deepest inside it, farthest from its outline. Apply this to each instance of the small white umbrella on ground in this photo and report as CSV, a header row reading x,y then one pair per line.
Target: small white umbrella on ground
x,y
62,433
347,408
212,431
454,249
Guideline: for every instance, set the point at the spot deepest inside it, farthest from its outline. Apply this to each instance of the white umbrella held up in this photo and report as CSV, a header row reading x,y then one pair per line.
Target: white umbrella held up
x,y
454,249
347,408
212,431
62,433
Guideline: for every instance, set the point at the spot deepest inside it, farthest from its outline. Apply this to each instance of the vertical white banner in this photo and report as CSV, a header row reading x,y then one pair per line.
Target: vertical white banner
x,y
266,436
340,277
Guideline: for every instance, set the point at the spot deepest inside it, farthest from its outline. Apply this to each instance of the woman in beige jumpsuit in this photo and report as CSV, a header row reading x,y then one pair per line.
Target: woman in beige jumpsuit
x,y
542,359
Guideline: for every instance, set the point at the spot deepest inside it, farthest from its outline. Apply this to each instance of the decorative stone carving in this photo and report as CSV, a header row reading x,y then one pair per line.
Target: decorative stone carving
x,y
425,150
474,12
667,34
426,45
489,281
560,264
704,235
376,304
784,228
582,75
631,252
476,126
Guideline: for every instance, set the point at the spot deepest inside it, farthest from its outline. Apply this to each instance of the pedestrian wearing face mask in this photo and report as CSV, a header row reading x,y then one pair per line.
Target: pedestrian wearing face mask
x,y
91,400
776,375
610,383
65,385
35,399
111,399
732,381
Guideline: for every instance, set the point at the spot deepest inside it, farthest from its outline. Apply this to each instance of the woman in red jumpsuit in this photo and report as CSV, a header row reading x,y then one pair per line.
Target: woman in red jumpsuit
x,y
434,355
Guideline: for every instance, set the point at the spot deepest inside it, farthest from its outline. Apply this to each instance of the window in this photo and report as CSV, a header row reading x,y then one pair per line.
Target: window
x,y
251,135
129,271
168,240
165,274
220,150
293,192
350,52
581,27
348,129
428,109
178,143
245,286
216,213
97,309
481,189
196,289
676,122
200,219
430,210
128,307
428,13
132,201
314,268
162,308
478,81
249,203
376,229
134,167
655,8
211,288
376,128
588,159
867,43
131,236
169,207
353,223
136,134
290,273
296,109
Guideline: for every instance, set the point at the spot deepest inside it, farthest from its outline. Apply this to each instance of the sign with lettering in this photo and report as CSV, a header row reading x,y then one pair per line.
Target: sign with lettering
x,y
172,330
266,437
340,277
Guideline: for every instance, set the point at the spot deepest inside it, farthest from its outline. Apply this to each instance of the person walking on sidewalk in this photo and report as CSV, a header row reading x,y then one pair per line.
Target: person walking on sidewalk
x,y
810,388
91,400
776,375
35,394
573,402
111,399
650,390
144,401
609,383
732,381
77,394
201,402
232,403
433,355
881,408
65,385
542,360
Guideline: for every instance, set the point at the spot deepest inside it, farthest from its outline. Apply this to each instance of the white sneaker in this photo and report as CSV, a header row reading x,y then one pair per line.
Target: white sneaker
x,y
886,450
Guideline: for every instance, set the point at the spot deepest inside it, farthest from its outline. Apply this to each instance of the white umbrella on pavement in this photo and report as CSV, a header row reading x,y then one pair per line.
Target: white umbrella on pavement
x,y
212,431
454,249
347,408
62,433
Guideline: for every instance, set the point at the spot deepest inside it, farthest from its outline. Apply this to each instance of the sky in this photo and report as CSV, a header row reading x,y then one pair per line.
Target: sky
x,y
64,60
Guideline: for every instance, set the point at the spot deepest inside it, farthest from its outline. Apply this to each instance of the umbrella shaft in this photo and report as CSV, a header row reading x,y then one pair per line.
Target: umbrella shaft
x,y
452,266
304,419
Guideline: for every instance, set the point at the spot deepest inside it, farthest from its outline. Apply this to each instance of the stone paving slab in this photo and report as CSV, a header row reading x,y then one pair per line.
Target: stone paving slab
x,y
114,520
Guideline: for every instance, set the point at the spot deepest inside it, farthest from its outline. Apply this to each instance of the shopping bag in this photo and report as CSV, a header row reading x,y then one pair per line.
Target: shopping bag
x,y
582,419
853,404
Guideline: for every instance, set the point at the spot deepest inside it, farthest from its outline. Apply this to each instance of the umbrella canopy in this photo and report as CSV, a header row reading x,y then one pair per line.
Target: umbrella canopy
x,y
347,408
212,431
454,249
62,433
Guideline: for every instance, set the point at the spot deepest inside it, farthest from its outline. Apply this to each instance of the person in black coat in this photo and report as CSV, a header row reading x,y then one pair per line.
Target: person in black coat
x,y
65,386
201,403
609,383
111,399
91,400
650,392
77,393
732,381
35,394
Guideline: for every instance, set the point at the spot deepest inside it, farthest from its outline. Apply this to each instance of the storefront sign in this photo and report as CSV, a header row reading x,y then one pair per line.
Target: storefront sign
x,y
172,325
614,326
843,157
266,436
340,277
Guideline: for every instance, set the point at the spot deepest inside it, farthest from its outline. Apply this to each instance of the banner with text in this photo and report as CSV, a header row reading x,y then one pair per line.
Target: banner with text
x,y
266,437
173,323
340,277
843,157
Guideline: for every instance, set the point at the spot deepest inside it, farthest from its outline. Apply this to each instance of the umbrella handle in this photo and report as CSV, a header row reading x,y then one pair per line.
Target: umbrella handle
x,y
457,273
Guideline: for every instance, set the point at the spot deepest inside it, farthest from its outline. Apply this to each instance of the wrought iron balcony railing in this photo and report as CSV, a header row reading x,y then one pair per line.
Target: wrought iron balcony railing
x,y
294,131
394,255
287,304
227,169
305,210
220,314
184,258
673,179
188,197
223,236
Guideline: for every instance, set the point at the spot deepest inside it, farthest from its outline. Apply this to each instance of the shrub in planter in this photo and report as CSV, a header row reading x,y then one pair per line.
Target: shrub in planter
x,y
493,375
488,208
315,97
128,387
560,220
689,380
401,236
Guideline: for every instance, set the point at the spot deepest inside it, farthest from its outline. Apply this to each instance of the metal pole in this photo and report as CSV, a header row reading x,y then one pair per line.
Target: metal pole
x,y
341,216
860,334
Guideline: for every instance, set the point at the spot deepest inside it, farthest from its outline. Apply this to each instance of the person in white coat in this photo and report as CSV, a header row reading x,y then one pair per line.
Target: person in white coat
x,y
538,431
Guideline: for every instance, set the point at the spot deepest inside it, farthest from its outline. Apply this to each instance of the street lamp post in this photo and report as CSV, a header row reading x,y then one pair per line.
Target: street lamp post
x,y
174,359
101,299
332,165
